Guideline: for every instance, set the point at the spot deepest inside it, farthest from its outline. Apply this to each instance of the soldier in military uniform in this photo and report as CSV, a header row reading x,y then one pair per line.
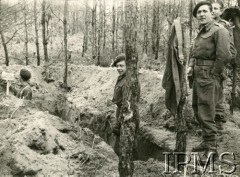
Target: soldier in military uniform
x,y
25,91
120,91
218,7
209,54
120,95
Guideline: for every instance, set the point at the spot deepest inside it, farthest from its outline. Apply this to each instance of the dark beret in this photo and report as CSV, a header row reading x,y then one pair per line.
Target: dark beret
x,y
25,74
200,4
120,57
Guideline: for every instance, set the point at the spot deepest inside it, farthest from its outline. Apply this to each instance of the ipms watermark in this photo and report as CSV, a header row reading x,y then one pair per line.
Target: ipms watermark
x,y
194,163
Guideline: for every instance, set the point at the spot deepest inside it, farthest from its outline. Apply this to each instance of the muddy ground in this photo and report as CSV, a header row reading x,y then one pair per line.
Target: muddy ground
x,y
63,133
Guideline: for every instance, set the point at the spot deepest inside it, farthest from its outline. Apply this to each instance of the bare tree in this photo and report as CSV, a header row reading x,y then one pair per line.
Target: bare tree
x,y
190,19
113,27
45,41
36,32
65,43
86,29
94,30
155,28
26,32
129,110
145,33
116,28
6,24
104,24
100,31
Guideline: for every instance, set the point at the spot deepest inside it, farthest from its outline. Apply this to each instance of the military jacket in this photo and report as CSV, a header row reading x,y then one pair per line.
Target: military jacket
x,y
212,43
24,92
120,90
227,25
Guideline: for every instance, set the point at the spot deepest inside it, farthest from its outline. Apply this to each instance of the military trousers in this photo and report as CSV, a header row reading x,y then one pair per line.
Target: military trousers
x,y
220,111
206,93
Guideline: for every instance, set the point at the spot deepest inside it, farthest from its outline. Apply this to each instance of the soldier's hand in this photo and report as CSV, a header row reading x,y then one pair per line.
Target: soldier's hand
x,y
189,70
127,116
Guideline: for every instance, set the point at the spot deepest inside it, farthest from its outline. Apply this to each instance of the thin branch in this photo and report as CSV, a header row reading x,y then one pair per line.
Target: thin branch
x,y
55,15
3,10
12,37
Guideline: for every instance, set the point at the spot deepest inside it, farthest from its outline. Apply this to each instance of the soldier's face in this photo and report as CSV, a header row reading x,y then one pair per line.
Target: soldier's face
x,y
217,10
121,67
204,15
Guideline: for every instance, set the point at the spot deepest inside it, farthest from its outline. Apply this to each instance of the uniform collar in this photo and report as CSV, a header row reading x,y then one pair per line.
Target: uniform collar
x,y
121,77
207,26
218,19
23,84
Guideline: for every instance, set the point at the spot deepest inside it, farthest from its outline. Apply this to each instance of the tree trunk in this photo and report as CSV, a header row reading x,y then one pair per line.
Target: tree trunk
x,y
100,32
104,24
181,138
190,20
113,28
85,38
5,48
26,34
116,30
45,41
154,27
130,101
36,32
122,27
3,38
157,30
94,32
145,38
65,43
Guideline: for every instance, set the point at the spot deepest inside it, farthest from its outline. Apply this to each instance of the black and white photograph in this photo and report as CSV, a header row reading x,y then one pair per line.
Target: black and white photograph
x,y
119,88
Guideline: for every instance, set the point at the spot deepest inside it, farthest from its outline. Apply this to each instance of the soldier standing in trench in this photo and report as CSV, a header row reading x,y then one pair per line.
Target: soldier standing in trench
x,y
120,93
209,54
25,91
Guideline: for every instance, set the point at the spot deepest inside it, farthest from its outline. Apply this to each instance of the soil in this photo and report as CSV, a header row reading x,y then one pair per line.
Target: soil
x,y
36,141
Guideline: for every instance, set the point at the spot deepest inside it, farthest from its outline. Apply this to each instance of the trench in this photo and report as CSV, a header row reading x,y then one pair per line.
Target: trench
x,y
147,145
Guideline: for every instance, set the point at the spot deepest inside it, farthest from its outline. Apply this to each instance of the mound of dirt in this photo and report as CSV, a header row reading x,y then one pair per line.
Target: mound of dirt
x,y
38,135
33,142
90,102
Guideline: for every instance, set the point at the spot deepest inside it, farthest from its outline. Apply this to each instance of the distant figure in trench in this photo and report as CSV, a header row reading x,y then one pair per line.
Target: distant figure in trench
x,y
25,91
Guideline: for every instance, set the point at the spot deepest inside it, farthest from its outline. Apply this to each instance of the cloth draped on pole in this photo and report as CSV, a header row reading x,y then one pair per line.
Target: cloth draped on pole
x,y
172,77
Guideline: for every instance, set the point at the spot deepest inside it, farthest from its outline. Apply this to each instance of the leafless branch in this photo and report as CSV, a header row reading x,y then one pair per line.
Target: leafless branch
x,y
3,10
55,15
12,37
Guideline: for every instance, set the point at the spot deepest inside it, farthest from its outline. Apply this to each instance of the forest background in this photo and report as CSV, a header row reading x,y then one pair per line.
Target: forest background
x,y
47,32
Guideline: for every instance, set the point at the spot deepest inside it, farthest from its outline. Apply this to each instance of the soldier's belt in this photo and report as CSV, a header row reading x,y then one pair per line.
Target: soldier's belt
x,y
204,62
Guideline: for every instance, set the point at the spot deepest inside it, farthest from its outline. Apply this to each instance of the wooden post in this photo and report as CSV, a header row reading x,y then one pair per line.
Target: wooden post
x,y
7,90
181,138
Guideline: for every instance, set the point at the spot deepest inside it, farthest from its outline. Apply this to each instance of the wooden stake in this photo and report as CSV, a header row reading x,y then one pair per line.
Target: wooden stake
x,y
7,90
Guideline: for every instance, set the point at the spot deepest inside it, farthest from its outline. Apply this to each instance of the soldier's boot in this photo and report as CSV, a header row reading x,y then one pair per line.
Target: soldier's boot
x,y
212,151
